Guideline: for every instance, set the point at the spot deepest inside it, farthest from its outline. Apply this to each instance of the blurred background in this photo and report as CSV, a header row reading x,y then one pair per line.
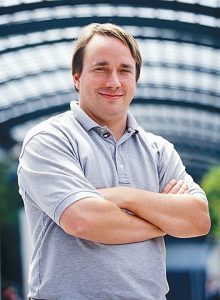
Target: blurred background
x,y
178,97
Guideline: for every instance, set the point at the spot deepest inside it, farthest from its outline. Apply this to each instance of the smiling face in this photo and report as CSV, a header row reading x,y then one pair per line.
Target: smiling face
x,y
108,80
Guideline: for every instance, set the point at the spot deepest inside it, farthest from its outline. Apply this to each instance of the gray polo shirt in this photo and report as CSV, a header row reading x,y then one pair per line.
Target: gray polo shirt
x,y
67,158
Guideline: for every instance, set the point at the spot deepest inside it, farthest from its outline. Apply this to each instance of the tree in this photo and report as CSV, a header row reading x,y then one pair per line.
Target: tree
x,y
211,185
10,203
10,200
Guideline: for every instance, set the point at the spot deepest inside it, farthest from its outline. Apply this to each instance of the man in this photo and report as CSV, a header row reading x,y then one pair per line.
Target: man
x,y
100,193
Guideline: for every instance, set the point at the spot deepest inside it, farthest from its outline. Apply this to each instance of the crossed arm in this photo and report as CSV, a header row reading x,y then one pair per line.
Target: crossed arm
x,y
173,212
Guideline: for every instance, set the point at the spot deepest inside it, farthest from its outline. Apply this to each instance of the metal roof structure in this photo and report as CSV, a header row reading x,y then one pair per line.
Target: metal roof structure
x,y
178,94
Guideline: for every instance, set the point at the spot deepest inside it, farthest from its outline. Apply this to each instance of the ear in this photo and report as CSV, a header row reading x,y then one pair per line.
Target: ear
x,y
76,80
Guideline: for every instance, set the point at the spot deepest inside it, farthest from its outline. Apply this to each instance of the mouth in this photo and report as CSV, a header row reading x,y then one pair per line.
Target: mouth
x,y
111,96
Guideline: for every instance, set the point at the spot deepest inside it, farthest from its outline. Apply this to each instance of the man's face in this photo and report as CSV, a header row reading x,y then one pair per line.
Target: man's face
x,y
108,80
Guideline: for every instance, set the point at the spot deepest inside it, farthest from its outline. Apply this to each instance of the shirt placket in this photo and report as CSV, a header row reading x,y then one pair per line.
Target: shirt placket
x,y
123,177
119,155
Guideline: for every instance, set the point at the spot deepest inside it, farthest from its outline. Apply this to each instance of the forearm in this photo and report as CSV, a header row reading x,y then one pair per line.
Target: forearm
x,y
179,215
101,221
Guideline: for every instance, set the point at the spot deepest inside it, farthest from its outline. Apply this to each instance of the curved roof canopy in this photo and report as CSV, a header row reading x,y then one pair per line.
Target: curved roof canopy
x,y
178,94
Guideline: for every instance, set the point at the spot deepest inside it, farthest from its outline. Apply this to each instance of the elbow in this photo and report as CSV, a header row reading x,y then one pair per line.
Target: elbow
x,y
73,223
203,224
78,228
197,223
204,228
206,225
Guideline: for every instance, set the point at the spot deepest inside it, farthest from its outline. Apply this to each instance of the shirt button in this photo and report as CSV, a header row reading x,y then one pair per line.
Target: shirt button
x,y
106,135
121,166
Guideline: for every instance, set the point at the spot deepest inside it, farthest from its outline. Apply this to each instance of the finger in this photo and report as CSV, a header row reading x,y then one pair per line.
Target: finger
x,y
184,188
169,186
178,187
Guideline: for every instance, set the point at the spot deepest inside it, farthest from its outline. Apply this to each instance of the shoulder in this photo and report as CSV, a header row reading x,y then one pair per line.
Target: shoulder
x,y
155,141
54,132
55,126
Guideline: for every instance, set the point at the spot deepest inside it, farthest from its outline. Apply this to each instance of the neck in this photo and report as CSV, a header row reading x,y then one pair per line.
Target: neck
x,y
116,126
117,130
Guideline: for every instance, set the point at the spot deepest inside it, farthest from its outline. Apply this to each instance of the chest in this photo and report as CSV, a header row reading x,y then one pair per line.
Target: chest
x,y
106,163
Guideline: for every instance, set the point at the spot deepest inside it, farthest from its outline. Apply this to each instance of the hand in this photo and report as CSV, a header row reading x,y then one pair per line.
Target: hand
x,y
176,187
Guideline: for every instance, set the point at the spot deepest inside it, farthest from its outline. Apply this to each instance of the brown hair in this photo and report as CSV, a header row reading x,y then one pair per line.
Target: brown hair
x,y
106,29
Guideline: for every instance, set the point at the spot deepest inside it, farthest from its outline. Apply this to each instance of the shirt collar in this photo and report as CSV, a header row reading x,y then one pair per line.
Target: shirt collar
x,y
84,120
132,123
87,123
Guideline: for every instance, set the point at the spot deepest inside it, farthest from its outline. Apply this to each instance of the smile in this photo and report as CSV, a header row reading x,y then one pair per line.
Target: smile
x,y
111,96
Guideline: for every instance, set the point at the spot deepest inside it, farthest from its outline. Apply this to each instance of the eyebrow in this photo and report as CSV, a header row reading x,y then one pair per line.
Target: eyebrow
x,y
101,63
127,66
105,63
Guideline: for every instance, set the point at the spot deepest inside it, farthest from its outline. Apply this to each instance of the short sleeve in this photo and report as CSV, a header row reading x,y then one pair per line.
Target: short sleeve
x,y
51,175
171,167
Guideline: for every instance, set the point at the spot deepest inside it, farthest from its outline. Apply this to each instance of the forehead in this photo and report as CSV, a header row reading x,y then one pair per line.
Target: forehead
x,y
108,48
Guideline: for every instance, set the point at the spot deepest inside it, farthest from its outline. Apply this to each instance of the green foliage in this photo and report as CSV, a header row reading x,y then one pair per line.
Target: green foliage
x,y
10,200
211,185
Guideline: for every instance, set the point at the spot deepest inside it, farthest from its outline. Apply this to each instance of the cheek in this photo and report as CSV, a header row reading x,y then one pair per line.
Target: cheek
x,y
86,84
130,85
94,81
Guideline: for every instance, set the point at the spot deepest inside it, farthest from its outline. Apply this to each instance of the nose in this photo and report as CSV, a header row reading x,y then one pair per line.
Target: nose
x,y
113,80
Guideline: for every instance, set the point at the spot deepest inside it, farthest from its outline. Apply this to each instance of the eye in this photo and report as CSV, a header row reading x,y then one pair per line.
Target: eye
x,y
125,71
100,69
